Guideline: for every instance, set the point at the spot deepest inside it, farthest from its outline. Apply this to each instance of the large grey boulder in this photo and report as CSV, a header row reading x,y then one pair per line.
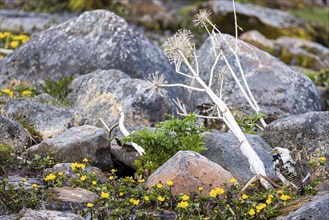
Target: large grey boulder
x,y
279,90
12,134
100,94
224,149
41,120
303,53
306,135
77,143
30,214
270,22
95,40
317,209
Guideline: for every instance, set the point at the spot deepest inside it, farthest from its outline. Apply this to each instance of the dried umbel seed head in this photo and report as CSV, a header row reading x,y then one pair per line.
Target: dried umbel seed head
x,y
179,46
202,18
156,81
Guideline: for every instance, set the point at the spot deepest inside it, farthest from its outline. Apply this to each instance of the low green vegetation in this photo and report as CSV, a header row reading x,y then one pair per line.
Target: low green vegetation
x,y
249,123
167,139
59,89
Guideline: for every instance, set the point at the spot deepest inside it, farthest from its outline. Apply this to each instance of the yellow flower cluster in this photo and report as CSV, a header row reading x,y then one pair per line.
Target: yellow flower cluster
x,y
170,183
50,177
215,192
26,93
146,198
8,92
134,201
322,159
105,195
76,166
183,204
159,185
269,199
161,199
284,197
260,206
90,205
185,197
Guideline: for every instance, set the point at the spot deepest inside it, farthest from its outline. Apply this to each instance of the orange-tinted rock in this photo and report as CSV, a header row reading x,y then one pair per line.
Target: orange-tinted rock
x,y
189,170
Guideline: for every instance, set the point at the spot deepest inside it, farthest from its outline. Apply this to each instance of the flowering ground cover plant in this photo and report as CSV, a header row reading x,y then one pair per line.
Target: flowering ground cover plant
x,y
11,41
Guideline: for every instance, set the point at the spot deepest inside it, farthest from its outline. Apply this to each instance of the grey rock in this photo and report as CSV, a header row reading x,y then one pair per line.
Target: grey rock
x,y
28,22
100,94
66,168
317,209
8,217
30,214
62,199
257,39
270,22
46,121
303,53
16,180
306,135
77,143
278,89
224,149
12,134
44,98
95,40
124,153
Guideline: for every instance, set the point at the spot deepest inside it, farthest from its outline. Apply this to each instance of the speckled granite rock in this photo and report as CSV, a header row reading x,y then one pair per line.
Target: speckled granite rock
x,y
278,89
30,214
95,40
47,121
77,143
12,134
100,93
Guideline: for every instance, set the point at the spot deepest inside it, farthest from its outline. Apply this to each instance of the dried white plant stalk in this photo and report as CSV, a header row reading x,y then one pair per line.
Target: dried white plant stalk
x,y
180,50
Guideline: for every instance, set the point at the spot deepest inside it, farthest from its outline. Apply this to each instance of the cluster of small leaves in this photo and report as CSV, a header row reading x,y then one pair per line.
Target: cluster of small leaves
x,y
315,179
14,198
59,89
167,139
248,123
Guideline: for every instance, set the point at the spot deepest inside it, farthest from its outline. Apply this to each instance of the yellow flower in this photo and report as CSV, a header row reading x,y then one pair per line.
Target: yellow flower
x,y
260,207
113,171
24,180
14,44
161,199
134,201
141,181
83,178
94,182
90,205
279,191
121,194
111,178
26,93
60,173
185,197
268,201
182,204
170,183
244,196
232,180
284,203
85,160
200,188
34,185
50,177
159,185
322,159
8,92
76,165
105,195
284,197
146,198
251,212
219,191
213,193
252,184
270,196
